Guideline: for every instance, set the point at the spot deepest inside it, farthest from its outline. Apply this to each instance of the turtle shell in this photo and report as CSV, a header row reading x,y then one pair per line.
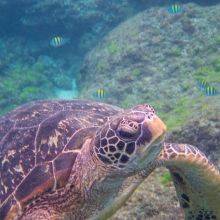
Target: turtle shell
x,y
39,143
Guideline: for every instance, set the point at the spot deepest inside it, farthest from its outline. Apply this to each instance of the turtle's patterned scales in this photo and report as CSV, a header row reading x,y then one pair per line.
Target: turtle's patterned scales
x,y
76,140
133,130
17,160
196,180
5,126
33,114
202,214
181,151
7,205
53,134
40,179
62,165
58,157
37,132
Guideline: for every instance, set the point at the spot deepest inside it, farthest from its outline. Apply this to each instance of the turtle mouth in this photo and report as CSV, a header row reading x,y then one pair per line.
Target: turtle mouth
x,y
159,140
152,150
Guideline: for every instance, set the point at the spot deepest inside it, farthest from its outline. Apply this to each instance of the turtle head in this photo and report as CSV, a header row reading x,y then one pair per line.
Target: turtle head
x,y
130,140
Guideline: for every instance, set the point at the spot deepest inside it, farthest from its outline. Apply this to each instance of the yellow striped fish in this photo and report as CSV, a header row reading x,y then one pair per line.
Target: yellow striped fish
x,y
202,84
206,88
210,90
100,93
58,41
174,9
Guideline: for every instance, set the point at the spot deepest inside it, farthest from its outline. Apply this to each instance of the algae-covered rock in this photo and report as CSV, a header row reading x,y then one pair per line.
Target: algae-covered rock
x,y
22,83
155,57
202,130
153,200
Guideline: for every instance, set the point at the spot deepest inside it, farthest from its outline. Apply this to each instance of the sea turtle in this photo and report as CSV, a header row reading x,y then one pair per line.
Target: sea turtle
x,y
196,179
76,160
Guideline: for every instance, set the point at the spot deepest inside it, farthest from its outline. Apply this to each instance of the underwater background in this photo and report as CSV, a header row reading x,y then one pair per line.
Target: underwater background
x,y
122,52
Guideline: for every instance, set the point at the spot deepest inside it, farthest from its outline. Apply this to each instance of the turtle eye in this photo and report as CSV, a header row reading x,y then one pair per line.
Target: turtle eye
x,y
127,129
125,134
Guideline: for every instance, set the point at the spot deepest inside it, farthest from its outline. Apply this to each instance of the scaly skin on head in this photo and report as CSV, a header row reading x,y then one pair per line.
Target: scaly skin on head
x,y
121,148
125,140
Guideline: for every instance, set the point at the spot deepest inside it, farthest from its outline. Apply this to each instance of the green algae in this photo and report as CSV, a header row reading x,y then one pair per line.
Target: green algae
x,y
216,65
113,48
166,178
127,102
176,52
181,112
209,73
29,93
136,72
23,83
217,40
100,66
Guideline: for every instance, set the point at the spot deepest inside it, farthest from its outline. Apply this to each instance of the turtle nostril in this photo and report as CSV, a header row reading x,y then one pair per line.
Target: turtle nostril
x,y
127,129
133,124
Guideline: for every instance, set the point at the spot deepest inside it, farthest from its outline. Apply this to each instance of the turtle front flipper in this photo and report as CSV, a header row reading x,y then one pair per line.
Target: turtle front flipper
x,y
196,180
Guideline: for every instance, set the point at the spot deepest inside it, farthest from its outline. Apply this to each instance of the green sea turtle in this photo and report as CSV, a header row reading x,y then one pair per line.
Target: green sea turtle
x,y
76,159
196,180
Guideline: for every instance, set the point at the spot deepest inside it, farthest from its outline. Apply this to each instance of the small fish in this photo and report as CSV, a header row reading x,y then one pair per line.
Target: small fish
x,y
202,84
210,90
206,88
100,93
58,41
175,9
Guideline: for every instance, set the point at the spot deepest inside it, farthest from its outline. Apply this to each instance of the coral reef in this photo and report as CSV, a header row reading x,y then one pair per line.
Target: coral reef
x,y
25,77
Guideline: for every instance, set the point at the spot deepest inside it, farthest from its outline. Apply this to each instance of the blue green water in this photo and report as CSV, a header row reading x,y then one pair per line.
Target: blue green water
x,y
32,68
121,52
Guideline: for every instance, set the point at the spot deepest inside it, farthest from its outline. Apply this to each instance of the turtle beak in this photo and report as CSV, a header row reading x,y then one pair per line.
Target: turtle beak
x,y
152,149
157,128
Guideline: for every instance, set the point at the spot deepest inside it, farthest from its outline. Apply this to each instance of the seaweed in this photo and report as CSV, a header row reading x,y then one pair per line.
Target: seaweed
x,y
181,112
209,73
217,40
166,178
112,47
136,72
23,83
176,52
